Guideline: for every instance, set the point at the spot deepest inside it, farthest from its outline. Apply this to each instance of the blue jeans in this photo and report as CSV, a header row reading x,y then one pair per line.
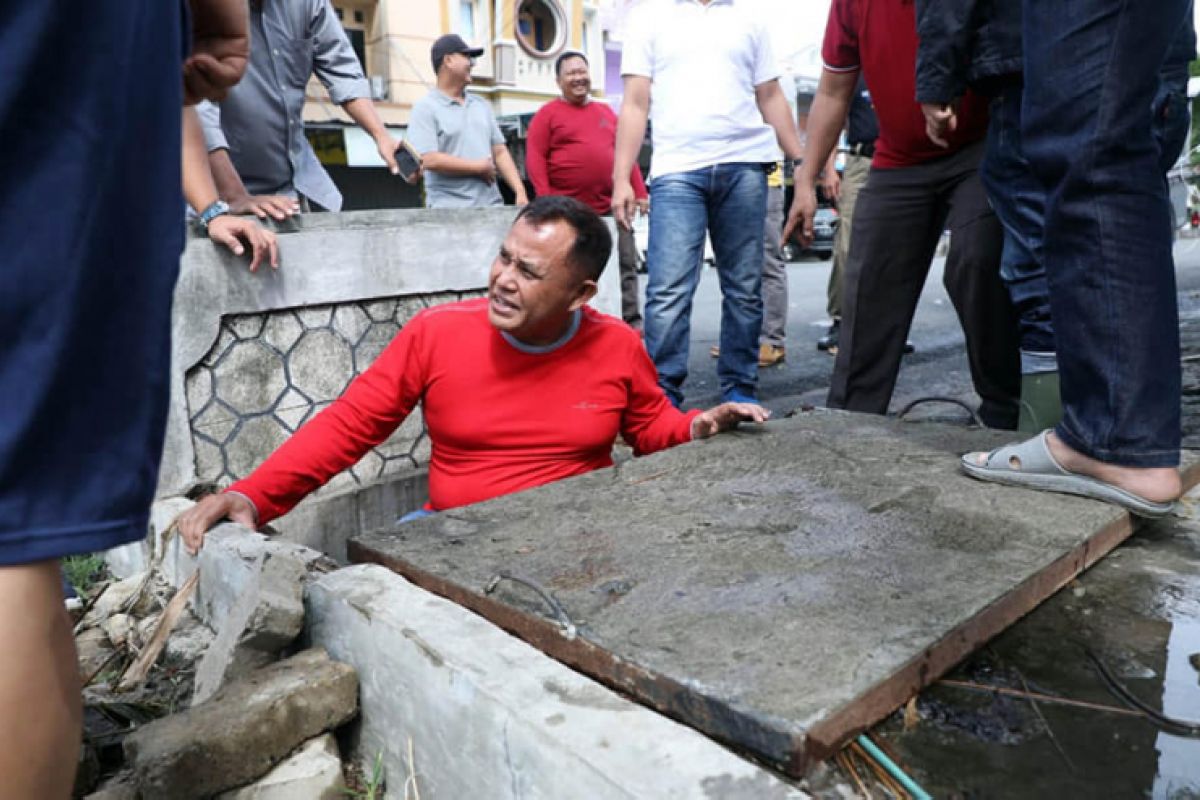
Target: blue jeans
x,y
1017,197
1090,65
729,201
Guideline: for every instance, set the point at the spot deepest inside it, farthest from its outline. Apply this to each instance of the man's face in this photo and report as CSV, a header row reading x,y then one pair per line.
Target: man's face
x,y
533,288
575,81
459,65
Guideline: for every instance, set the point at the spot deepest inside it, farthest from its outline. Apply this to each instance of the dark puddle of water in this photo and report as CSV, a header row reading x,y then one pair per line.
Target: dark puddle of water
x,y
1139,611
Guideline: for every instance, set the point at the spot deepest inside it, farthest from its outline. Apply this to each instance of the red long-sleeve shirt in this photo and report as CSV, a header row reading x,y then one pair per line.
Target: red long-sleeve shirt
x,y
569,150
500,419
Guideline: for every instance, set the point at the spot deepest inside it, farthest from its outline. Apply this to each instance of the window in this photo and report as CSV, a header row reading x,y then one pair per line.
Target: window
x,y
541,27
356,22
466,20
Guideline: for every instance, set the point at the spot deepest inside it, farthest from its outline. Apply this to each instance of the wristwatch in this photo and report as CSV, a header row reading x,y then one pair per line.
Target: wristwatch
x,y
212,212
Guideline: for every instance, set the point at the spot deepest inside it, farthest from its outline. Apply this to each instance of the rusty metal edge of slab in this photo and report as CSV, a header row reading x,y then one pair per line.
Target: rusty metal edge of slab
x,y
685,705
834,732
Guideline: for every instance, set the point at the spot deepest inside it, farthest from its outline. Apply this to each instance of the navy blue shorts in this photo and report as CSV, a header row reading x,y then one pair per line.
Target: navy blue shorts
x,y
91,231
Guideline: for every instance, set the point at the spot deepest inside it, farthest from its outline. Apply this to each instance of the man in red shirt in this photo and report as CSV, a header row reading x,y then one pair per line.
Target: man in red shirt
x,y
520,388
569,150
915,190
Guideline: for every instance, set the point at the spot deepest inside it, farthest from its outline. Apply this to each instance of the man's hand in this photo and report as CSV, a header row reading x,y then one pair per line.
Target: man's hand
x,y
941,120
800,218
232,231
727,416
831,184
220,49
643,206
387,151
521,199
262,206
624,204
486,170
196,521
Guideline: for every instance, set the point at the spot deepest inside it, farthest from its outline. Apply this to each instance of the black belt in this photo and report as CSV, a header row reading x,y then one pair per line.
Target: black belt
x,y
862,149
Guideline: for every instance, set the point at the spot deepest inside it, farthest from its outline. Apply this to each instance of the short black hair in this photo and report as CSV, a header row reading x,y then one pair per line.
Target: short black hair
x,y
593,243
558,62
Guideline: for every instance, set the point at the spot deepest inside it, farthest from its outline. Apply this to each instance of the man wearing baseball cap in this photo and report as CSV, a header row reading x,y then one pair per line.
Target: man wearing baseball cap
x,y
461,147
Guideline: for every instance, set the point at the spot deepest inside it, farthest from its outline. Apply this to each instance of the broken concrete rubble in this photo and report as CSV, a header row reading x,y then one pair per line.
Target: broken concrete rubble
x,y
312,772
267,614
244,730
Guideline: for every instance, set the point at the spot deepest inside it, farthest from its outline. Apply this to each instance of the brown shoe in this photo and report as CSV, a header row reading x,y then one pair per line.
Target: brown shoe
x,y
769,355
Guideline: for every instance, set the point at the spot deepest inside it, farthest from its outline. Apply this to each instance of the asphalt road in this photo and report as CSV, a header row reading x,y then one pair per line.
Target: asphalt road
x,y
938,366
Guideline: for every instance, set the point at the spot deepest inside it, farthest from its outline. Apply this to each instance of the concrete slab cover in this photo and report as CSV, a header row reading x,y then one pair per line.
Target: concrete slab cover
x,y
780,590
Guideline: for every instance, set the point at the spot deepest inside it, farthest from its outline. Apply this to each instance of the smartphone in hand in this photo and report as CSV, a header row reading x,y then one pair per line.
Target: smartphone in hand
x,y
408,161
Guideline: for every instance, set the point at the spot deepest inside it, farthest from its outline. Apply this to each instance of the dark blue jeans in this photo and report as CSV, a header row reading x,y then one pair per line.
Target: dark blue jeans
x,y
729,201
1091,68
1017,197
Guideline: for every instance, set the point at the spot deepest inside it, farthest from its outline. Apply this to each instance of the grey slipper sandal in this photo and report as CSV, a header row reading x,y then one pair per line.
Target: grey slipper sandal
x,y
1031,465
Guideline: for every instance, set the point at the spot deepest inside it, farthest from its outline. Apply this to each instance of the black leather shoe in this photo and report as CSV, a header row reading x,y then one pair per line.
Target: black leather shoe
x,y
829,342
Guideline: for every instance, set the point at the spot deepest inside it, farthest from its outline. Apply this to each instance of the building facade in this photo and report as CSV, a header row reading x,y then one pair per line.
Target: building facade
x,y
521,40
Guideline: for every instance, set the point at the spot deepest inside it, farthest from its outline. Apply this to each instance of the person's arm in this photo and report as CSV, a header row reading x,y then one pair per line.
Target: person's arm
x,y
631,130
825,121
370,409
362,111
650,423
200,193
537,150
831,182
229,183
508,170
220,50
944,31
422,135
778,114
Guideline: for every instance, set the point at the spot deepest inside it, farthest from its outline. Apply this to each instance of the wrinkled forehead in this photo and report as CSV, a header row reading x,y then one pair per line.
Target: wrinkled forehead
x,y
545,244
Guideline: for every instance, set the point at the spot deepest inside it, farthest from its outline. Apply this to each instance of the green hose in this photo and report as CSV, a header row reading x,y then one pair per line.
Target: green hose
x,y
908,783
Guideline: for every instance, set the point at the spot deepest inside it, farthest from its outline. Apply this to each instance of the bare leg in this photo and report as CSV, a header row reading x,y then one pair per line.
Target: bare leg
x,y
40,712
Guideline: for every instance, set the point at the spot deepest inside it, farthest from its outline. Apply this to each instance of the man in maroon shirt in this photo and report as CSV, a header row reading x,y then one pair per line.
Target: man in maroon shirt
x,y
914,191
569,150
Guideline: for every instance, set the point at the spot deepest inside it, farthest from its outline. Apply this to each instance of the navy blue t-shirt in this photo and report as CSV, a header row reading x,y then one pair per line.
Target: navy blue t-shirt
x,y
91,231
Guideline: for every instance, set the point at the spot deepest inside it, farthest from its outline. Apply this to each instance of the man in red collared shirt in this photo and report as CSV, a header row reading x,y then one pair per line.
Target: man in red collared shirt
x,y
915,190
569,150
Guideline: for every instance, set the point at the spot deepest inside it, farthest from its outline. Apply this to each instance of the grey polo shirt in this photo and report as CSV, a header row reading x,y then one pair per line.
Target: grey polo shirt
x,y
260,121
439,124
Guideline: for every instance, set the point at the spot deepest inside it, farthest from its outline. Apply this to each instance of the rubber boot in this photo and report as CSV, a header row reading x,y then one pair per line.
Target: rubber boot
x,y
1041,404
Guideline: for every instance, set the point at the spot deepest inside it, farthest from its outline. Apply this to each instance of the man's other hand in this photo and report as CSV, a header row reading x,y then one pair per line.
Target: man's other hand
x,y
800,218
279,207
486,170
941,119
196,521
220,49
643,206
831,185
624,204
232,231
727,416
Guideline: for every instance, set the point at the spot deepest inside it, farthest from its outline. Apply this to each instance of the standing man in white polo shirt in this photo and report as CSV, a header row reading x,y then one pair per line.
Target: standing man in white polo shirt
x,y
705,72
461,147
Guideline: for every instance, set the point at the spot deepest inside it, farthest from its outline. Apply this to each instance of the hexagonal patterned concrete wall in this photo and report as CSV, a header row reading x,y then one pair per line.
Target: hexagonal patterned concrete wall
x,y
268,374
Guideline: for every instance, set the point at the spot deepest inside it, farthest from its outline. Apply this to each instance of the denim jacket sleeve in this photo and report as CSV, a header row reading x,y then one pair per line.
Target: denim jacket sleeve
x,y
945,29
